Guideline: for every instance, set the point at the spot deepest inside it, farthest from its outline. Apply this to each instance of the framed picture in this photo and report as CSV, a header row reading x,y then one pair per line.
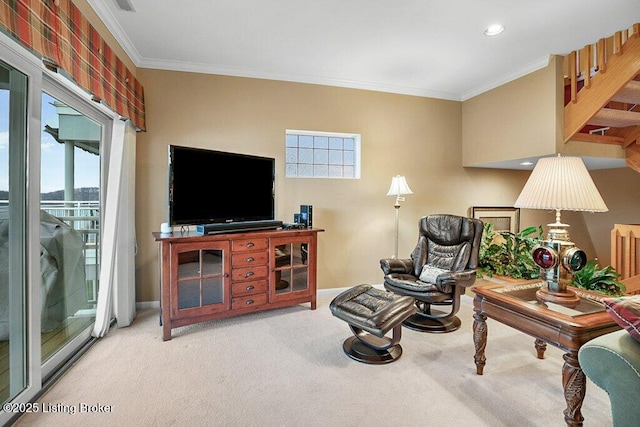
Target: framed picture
x,y
503,219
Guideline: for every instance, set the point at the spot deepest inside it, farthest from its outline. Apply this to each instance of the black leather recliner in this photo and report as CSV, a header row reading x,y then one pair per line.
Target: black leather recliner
x,y
442,265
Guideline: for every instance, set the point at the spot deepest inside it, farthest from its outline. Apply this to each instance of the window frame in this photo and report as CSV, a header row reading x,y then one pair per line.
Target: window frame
x,y
357,152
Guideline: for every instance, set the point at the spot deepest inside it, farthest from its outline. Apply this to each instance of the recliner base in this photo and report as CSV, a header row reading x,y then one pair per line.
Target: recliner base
x,y
421,323
359,351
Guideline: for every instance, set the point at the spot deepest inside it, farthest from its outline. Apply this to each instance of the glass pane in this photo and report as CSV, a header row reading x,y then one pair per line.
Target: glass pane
x,y
188,264
212,262
283,281
527,293
321,155
291,267
300,279
200,278
283,256
13,332
69,223
188,294
212,291
300,253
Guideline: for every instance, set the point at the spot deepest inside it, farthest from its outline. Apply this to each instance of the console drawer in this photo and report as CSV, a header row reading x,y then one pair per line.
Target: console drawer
x,y
249,258
248,301
249,273
248,288
249,245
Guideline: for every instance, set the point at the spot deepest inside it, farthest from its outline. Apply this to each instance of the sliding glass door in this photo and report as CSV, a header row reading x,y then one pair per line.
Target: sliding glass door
x,y
13,303
53,155
70,210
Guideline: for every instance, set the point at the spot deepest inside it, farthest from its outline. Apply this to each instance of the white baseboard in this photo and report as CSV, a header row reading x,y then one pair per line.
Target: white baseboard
x,y
147,304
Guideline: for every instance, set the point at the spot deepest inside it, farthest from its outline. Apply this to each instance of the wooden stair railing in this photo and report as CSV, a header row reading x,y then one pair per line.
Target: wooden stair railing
x,y
604,93
625,255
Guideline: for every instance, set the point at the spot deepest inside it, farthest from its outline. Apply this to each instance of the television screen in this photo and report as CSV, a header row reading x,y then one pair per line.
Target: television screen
x,y
207,186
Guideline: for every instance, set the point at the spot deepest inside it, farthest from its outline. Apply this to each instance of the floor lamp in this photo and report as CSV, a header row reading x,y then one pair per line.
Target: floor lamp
x,y
398,188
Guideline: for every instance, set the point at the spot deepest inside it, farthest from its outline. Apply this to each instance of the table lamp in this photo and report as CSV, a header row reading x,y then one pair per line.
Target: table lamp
x,y
559,183
398,188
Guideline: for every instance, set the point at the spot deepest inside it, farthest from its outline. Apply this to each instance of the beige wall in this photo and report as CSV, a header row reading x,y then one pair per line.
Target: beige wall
x,y
620,189
420,138
413,136
523,118
514,121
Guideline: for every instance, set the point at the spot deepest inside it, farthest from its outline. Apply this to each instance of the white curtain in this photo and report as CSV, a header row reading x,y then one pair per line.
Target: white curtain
x,y
116,296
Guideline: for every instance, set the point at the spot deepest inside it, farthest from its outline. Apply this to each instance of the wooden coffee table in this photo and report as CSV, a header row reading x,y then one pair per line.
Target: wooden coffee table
x,y
567,328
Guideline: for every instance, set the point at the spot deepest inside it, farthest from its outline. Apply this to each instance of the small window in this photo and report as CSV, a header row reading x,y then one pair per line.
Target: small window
x,y
312,154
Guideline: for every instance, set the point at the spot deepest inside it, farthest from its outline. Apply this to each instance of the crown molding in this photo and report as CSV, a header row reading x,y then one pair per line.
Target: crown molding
x,y
297,78
509,77
104,13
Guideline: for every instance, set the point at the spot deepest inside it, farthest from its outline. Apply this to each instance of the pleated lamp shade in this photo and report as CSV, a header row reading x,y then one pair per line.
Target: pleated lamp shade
x,y
561,183
399,186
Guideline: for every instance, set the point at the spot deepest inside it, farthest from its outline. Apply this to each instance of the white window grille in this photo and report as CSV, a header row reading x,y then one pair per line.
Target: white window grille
x,y
311,154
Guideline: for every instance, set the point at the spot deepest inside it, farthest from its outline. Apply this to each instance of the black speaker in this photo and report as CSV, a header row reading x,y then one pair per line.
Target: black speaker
x,y
306,215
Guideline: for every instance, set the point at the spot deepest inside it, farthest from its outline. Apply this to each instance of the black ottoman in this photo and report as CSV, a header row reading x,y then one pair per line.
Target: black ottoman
x,y
371,313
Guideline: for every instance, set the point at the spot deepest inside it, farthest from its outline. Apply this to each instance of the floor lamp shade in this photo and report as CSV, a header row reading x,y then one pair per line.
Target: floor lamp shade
x,y
399,186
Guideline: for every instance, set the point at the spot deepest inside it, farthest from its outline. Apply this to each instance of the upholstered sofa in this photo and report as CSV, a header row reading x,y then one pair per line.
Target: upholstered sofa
x,y
612,361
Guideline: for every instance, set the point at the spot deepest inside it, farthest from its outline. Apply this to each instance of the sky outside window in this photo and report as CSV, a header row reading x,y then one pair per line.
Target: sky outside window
x,y
87,165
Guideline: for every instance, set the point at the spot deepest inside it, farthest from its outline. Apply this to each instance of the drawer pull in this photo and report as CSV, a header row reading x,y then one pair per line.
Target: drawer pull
x,y
250,245
249,274
251,259
249,302
249,288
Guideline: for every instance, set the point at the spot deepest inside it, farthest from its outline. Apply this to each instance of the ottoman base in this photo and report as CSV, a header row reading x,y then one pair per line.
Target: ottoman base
x,y
364,352
371,313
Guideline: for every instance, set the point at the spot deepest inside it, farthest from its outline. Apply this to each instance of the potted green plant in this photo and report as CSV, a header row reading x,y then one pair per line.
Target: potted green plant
x,y
508,254
603,280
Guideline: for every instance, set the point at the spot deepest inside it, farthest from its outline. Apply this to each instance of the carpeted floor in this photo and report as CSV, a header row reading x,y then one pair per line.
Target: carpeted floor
x,y
286,368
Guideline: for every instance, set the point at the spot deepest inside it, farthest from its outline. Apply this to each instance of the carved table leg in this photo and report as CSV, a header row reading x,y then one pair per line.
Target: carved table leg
x,y
479,339
574,384
541,346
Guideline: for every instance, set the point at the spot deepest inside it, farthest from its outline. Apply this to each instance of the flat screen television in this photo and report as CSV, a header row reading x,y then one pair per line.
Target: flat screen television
x,y
216,187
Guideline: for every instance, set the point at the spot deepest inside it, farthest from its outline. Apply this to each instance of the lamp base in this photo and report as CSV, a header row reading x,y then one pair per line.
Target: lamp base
x,y
566,297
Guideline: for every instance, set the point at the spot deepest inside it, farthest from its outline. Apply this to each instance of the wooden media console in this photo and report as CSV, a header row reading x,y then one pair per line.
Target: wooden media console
x,y
205,277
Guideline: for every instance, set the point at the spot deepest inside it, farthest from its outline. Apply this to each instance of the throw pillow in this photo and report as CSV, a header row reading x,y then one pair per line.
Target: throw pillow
x,y
429,273
626,312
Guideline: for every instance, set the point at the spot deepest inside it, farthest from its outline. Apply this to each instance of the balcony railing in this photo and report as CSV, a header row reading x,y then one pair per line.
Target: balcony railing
x,y
84,217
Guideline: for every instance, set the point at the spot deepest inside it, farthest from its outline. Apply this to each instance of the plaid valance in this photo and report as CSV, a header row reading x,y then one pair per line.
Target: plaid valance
x,y
56,31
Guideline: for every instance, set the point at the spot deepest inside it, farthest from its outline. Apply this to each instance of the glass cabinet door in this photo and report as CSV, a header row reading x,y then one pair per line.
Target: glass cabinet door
x,y
202,278
290,266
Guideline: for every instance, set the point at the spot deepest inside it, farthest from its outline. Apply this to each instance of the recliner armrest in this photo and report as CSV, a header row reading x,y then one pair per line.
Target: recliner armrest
x,y
465,278
393,265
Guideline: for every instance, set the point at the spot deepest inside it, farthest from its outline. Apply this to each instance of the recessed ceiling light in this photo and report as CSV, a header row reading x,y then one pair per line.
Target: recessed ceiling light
x,y
494,30
526,163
